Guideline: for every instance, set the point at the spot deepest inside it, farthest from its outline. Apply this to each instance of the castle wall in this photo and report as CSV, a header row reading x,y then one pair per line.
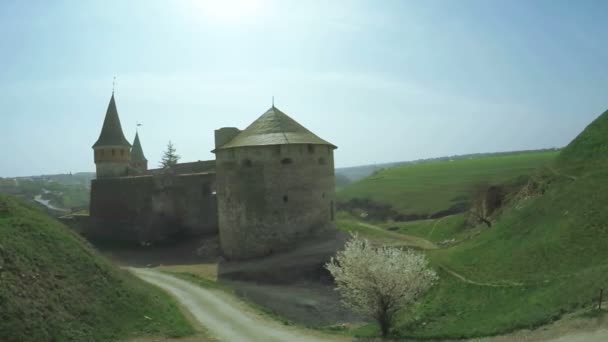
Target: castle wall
x,y
191,167
270,197
153,207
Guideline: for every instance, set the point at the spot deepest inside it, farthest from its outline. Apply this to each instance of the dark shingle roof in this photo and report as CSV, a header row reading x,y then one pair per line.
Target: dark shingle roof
x,y
137,153
274,128
111,132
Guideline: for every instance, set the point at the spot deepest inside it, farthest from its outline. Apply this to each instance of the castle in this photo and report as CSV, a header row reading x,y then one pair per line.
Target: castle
x,y
270,186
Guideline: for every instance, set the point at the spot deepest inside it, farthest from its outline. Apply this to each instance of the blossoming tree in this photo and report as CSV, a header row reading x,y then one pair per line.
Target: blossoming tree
x,y
378,282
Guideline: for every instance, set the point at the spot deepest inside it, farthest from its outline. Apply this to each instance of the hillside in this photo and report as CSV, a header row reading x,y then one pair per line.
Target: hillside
x,y
430,188
588,148
355,173
544,256
55,287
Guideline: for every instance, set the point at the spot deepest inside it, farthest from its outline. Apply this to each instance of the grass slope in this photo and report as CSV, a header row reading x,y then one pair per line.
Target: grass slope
x,y
432,187
549,252
54,287
589,146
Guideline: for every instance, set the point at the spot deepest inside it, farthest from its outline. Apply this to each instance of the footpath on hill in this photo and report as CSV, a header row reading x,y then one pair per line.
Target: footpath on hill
x,y
224,316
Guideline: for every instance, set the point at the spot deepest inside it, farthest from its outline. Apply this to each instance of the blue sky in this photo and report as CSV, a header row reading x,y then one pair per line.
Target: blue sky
x,y
383,80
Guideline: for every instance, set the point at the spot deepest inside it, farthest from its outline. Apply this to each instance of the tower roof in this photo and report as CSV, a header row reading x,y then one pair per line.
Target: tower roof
x,y
111,132
274,128
137,153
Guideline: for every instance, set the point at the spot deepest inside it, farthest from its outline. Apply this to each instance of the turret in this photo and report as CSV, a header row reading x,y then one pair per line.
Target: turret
x,y
138,160
275,186
112,151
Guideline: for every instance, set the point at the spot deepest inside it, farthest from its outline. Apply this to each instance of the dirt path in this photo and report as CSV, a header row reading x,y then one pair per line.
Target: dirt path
x,y
47,203
224,316
408,240
422,243
435,226
473,282
557,173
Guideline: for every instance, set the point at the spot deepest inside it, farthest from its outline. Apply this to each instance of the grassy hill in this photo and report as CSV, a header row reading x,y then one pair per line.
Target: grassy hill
x,y
55,287
544,256
429,188
355,173
589,149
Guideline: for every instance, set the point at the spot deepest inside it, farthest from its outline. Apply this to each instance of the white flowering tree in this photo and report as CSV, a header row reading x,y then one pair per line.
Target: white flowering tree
x,y
378,282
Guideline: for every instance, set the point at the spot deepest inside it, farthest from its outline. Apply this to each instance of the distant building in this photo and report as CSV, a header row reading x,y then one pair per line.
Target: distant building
x,y
271,186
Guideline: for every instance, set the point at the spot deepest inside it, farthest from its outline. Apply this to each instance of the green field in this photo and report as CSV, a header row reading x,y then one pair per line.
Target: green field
x,y
429,188
55,287
543,257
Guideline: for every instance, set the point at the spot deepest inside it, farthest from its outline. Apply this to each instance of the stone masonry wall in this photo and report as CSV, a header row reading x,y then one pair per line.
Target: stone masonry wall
x,y
270,197
153,208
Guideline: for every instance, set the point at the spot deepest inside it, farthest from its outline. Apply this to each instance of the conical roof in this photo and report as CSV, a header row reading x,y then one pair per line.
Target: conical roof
x,y
111,132
274,128
137,153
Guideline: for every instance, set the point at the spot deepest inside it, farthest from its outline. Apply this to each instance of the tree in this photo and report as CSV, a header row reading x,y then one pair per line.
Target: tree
x,y
169,158
379,282
487,199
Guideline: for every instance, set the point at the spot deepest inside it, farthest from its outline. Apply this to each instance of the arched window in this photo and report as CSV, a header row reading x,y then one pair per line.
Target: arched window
x,y
286,161
246,163
321,161
285,199
311,148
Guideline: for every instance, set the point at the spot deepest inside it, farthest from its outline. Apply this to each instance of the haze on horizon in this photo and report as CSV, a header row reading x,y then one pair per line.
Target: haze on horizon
x,y
384,81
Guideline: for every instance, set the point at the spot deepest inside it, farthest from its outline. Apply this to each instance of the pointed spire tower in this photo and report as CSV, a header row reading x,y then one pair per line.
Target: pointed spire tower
x,y
138,159
112,150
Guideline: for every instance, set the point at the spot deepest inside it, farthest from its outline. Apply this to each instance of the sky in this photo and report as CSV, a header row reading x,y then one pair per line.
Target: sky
x,y
384,80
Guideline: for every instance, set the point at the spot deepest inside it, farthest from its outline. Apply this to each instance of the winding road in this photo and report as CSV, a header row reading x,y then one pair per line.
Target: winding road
x,y
224,316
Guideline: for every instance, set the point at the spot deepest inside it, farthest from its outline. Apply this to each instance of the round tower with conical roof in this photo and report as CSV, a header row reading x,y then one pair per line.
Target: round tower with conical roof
x,y
112,151
275,186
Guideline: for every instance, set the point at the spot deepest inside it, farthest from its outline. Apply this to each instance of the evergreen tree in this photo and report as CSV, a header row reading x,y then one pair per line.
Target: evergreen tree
x,y
169,158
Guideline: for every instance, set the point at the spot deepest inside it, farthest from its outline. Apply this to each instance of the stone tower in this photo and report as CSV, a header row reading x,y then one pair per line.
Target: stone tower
x,y
275,185
112,151
138,160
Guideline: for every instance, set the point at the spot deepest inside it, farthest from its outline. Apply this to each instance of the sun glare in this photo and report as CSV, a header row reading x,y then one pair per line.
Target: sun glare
x,y
230,10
